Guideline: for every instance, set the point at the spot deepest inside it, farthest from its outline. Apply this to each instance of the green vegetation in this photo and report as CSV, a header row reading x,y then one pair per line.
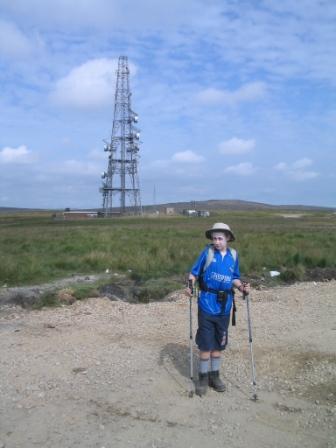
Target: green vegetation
x,y
48,299
155,289
35,248
85,291
58,297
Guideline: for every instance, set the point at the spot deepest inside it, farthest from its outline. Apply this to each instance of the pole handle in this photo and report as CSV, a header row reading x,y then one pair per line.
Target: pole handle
x,y
190,285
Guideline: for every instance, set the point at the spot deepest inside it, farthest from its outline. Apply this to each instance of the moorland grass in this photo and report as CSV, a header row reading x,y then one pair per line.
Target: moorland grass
x,y
35,249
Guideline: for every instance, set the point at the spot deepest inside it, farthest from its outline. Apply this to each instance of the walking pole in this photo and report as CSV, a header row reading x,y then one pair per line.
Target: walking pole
x,y
191,371
254,382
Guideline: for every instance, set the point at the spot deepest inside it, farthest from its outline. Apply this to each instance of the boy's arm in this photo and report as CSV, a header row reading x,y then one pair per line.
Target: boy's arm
x,y
242,287
196,270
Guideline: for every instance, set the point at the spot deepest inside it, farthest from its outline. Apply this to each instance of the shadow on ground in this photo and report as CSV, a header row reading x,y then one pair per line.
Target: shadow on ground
x,y
178,356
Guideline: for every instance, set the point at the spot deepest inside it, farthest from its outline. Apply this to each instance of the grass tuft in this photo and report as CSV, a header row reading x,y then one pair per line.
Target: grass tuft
x,y
48,300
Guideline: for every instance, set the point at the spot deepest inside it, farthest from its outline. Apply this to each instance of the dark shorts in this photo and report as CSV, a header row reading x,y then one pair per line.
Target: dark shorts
x,y
212,333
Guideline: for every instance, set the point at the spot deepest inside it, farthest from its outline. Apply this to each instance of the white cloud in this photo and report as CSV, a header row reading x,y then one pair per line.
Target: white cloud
x,y
177,158
296,171
304,175
302,163
249,92
13,43
241,169
282,166
91,85
16,155
236,146
187,157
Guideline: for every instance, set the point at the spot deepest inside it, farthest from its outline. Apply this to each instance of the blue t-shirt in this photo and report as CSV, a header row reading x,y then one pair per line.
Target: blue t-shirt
x,y
219,275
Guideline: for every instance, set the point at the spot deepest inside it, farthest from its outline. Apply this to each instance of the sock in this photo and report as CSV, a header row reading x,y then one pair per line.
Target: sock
x,y
215,363
203,365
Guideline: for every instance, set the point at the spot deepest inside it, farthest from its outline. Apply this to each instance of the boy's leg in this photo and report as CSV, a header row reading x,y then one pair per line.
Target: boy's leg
x,y
215,357
205,339
203,375
221,337
204,358
214,379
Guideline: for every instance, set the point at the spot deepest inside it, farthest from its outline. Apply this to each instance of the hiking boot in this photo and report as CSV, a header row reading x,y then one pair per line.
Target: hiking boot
x,y
215,382
202,384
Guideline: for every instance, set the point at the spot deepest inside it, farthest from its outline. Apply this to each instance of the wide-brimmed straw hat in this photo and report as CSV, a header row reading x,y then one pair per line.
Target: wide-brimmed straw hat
x,y
220,227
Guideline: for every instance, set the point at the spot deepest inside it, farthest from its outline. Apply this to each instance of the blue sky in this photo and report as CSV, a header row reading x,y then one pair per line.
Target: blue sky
x,y
236,99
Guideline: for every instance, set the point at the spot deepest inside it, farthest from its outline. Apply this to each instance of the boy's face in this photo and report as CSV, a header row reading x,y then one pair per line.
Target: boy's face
x,y
219,240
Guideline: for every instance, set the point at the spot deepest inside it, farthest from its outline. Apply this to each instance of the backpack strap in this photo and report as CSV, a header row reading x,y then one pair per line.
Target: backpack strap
x,y
233,253
209,257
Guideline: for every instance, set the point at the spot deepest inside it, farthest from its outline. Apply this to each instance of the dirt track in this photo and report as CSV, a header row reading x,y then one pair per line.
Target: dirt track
x,y
111,374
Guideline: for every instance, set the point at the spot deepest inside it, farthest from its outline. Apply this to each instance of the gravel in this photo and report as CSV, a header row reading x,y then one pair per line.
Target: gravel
x,y
112,374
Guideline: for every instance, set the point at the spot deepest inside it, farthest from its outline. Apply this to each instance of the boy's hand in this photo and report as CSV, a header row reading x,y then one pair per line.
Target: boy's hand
x,y
191,285
244,288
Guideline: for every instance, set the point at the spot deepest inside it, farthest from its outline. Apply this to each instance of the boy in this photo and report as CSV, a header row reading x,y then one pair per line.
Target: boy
x,y
217,272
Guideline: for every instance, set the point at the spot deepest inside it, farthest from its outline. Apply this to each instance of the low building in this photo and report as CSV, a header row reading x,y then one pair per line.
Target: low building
x,y
169,211
200,213
80,214
188,212
203,213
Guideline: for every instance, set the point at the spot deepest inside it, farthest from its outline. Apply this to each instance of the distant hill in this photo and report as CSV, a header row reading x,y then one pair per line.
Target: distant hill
x,y
234,205
19,210
211,205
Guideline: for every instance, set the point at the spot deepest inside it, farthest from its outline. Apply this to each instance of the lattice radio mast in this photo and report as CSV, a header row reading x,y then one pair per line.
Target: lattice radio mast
x,y
121,177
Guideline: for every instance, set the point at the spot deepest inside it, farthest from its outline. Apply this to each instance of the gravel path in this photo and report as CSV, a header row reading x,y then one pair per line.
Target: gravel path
x,y
112,374
29,295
